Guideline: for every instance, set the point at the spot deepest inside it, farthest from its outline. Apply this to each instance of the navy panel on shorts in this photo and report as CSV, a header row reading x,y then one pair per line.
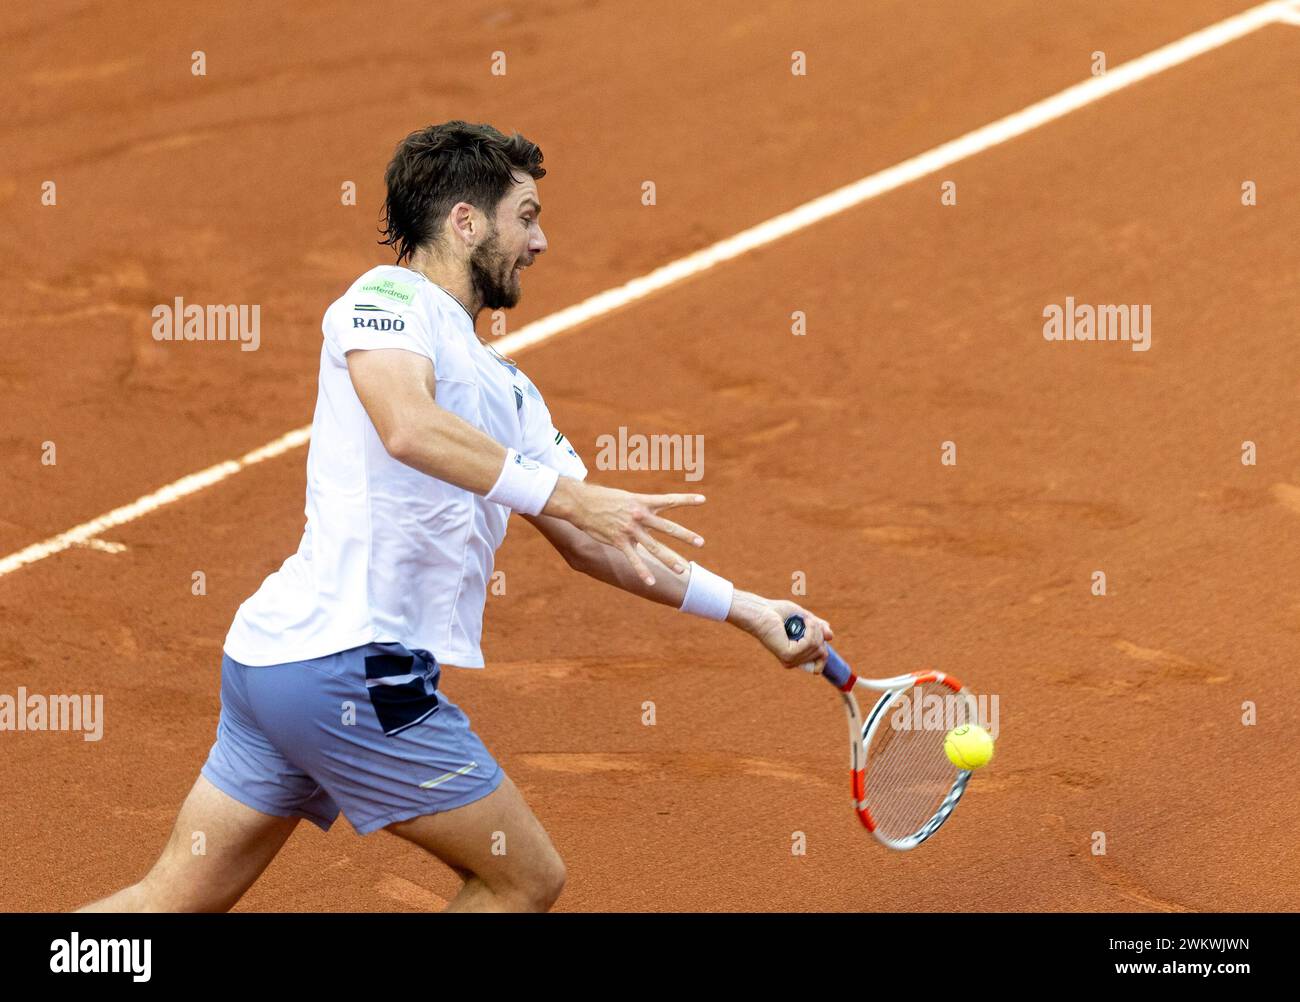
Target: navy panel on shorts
x,y
401,694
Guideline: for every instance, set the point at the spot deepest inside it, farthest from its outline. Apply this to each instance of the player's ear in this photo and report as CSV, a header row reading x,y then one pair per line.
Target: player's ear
x,y
465,223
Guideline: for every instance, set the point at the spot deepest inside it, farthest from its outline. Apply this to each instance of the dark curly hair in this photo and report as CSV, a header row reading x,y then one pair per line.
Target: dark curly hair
x,y
436,167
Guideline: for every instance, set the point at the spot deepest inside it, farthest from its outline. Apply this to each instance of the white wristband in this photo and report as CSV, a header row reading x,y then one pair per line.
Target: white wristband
x,y
524,485
707,594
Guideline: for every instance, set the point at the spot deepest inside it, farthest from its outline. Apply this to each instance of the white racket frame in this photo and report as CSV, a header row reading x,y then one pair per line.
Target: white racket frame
x,y
860,735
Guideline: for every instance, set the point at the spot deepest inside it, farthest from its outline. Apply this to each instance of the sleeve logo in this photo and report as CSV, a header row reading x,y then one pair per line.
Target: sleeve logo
x,y
376,319
564,442
378,324
400,292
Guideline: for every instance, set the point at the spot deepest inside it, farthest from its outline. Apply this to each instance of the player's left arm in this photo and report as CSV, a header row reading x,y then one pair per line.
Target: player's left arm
x,y
762,618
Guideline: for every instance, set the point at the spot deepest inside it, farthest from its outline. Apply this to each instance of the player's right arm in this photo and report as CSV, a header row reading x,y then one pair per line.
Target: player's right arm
x,y
762,618
398,388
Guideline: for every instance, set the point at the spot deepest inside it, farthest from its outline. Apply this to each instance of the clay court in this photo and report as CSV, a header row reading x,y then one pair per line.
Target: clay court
x,y
1120,714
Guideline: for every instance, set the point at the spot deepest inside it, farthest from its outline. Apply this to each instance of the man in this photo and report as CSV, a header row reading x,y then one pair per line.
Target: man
x,y
423,441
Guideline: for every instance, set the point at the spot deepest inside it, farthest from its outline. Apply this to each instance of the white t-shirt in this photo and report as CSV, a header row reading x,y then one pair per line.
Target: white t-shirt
x,y
390,554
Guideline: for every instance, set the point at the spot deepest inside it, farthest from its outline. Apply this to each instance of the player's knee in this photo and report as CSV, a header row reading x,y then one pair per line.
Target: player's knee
x,y
550,882
536,888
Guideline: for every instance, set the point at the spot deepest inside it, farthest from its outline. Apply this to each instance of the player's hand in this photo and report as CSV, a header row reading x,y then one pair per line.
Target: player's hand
x,y
764,619
622,519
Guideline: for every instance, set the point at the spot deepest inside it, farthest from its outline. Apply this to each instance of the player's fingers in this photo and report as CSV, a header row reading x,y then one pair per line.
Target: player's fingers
x,y
657,501
812,634
637,563
810,648
660,552
669,528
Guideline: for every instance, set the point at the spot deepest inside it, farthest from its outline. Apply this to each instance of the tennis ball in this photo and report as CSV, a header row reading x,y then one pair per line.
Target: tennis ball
x,y
968,746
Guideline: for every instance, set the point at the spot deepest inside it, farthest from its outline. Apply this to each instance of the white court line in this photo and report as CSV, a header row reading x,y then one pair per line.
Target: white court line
x,y
192,484
832,204
104,546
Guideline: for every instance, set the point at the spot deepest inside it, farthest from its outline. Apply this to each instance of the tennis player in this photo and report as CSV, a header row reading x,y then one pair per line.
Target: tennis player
x,y
424,440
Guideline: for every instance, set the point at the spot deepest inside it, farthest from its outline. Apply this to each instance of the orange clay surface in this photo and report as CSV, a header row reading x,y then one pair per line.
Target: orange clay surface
x,y
1119,714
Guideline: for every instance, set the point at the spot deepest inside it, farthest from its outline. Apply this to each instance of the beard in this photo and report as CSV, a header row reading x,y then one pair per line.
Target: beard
x,y
492,275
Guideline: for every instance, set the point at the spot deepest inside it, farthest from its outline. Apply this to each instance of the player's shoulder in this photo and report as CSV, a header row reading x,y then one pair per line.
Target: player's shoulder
x,y
389,287
388,298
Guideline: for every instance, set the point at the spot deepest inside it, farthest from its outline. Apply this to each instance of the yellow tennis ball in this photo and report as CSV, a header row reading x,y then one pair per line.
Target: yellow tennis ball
x,y
968,746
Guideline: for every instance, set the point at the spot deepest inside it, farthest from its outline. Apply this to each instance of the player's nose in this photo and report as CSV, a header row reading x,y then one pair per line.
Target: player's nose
x,y
538,243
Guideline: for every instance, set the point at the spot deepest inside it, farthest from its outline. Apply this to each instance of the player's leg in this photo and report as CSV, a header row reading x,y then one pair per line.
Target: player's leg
x,y
393,751
244,806
217,849
498,846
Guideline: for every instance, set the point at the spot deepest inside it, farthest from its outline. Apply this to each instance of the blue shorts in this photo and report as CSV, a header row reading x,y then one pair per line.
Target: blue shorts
x,y
365,731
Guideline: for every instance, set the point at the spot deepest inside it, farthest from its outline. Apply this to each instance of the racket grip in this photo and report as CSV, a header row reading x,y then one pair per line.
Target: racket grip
x,y
837,672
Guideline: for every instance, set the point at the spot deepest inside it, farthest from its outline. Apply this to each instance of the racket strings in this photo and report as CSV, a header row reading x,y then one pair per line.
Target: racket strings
x,y
908,775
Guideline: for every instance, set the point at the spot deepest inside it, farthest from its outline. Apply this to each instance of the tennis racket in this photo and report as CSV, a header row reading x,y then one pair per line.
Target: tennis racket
x,y
904,786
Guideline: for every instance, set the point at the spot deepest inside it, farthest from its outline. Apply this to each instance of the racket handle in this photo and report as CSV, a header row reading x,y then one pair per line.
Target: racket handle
x,y
837,671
